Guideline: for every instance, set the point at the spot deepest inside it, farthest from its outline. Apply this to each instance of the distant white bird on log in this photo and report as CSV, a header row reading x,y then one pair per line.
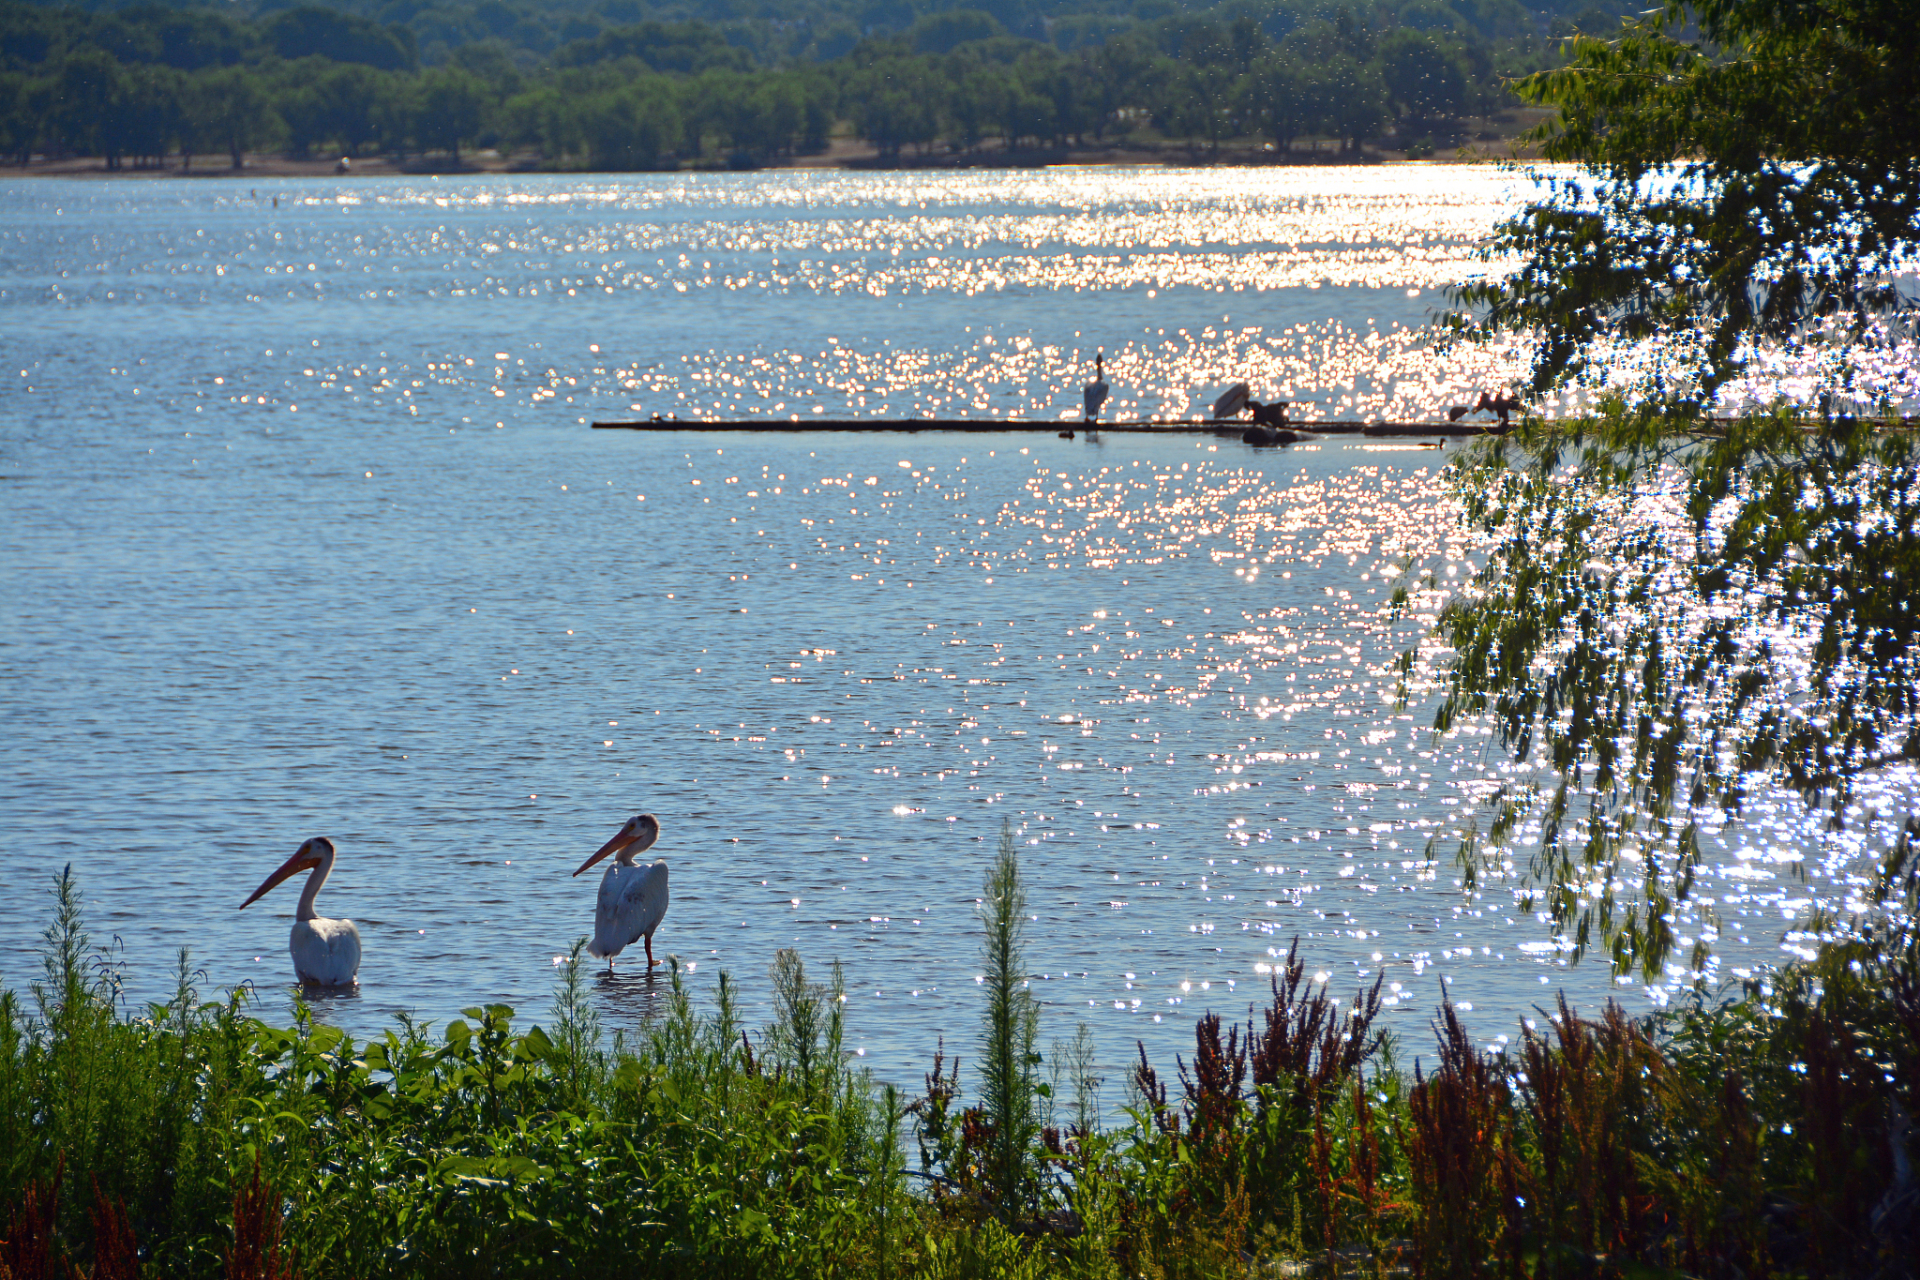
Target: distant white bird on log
x,y
326,953
1232,401
1096,392
633,899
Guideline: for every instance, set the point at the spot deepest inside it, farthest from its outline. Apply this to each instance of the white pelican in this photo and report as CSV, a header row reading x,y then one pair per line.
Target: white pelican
x,y
1096,391
633,899
1232,401
325,952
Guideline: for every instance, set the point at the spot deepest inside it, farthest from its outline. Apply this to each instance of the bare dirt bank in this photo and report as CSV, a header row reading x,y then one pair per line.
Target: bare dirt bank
x,y
1492,141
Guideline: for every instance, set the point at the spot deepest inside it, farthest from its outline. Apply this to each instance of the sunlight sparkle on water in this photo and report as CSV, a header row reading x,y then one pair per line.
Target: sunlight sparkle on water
x,y
309,535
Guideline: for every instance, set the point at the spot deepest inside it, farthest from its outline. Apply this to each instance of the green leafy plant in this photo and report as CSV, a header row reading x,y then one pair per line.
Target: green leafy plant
x,y
1008,1119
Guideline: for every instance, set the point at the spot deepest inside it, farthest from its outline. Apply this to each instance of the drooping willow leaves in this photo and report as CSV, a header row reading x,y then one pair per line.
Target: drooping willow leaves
x,y
1666,622
1678,609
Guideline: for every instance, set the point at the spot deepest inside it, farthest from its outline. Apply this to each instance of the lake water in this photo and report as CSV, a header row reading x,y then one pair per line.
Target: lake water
x,y
306,533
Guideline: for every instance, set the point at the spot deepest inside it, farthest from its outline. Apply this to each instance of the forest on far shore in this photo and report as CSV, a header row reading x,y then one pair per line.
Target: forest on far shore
x,y
621,84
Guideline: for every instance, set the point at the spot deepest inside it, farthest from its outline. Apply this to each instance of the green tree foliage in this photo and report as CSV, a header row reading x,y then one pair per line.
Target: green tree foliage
x,y
895,99
1780,217
310,30
1678,612
1348,99
236,112
942,32
189,39
19,122
145,119
922,81
1274,102
87,87
346,100
681,46
1425,78
631,127
452,106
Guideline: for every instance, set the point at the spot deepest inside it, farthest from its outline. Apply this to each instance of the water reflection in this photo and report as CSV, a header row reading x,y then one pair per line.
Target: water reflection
x,y
633,997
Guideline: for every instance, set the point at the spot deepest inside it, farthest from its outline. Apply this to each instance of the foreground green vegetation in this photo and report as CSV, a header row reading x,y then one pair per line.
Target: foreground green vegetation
x,y
1764,1136
626,86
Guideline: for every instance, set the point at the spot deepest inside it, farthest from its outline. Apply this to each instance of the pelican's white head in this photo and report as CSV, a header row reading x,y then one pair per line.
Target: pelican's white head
x,y
317,852
634,838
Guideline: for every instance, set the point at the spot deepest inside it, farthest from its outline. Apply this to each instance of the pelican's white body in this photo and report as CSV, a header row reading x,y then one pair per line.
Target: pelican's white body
x,y
633,901
325,952
633,897
1096,392
1232,401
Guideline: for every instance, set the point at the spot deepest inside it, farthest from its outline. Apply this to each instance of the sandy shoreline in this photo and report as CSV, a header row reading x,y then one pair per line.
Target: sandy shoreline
x,y
843,153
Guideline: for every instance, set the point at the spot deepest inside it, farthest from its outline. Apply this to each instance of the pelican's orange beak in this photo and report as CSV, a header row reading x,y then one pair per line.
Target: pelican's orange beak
x,y
619,842
300,861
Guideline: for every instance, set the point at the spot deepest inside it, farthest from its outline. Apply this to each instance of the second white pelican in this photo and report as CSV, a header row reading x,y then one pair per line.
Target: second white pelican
x,y
633,899
325,952
1095,392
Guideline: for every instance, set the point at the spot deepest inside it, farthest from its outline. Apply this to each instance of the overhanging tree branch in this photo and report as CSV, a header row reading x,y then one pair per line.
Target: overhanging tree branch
x,y
1676,611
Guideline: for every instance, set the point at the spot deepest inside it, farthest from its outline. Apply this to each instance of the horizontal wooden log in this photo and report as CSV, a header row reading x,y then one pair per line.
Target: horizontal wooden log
x,y
1230,429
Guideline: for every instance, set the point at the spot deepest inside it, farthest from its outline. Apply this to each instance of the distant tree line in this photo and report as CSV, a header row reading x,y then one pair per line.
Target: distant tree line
x,y
139,85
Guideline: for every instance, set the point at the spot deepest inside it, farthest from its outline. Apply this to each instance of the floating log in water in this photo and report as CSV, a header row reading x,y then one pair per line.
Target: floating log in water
x,y
1228,428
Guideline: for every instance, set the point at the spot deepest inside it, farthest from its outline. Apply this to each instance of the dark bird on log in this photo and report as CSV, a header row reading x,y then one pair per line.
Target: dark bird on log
x,y
1270,415
1501,404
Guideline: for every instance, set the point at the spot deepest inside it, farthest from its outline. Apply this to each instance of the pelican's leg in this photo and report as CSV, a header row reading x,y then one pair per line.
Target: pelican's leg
x,y
651,962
